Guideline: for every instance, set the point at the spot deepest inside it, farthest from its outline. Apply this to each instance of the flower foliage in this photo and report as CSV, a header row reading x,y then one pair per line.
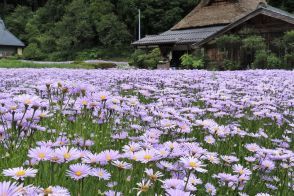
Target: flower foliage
x,y
139,132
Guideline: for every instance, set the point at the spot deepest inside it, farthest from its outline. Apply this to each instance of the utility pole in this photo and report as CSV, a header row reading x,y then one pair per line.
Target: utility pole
x,y
139,24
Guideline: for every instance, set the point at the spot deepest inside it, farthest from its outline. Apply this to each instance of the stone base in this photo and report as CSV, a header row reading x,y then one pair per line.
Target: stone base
x,y
164,66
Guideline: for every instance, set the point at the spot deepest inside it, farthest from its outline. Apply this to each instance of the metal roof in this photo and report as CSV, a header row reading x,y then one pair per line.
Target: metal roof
x,y
7,38
179,36
277,10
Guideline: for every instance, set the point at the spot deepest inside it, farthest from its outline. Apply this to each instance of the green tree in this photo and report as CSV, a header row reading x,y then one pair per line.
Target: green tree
x,y
17,21
146,60
189,61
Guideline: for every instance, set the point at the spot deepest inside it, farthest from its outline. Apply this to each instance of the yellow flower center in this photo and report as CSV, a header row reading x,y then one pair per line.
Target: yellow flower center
x,y
153,177
78,173
102,97
183,127
108,157
42,115
132,149
27,101
144,188
55,158
84,102
100,174
147,157
20,173
133,103
41,155
66,156
13,107
48,191
193,164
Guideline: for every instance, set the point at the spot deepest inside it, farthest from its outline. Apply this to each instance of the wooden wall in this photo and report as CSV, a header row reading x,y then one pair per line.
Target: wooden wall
x,y
7,51
268,27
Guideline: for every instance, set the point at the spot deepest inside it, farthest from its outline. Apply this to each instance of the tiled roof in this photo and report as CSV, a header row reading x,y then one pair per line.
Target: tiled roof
x,y
7,38
179,36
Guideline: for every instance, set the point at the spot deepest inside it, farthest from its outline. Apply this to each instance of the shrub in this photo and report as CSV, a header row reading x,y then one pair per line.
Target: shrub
x,y
32,51
124,66
230,65
189,61
273,61
260,60
289,61
228,42
229,45
86,55
121,53
248,31
288,40
146,60
266,60
104,65
254,43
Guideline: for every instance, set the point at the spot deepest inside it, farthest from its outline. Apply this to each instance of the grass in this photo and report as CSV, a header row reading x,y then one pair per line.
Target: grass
x,y
7,63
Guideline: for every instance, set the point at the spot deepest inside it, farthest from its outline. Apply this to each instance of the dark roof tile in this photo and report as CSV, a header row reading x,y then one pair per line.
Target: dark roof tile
x,y
179,36
7,38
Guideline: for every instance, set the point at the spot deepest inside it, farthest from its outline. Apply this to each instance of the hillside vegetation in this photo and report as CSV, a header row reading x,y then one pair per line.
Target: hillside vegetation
x,y
87,29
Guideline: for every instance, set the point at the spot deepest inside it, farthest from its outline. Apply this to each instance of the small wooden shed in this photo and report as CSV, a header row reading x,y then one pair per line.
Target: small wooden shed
x,y
9,44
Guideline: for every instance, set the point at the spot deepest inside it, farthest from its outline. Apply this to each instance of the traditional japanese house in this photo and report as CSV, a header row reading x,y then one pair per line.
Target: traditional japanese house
x,y
214,18
9,44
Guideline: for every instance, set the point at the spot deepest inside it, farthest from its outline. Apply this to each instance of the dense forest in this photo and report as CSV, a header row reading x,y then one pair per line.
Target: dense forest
x,y
67,29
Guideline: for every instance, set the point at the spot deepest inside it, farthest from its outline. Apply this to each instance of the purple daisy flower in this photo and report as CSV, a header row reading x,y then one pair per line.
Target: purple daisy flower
x,y
176,192
107,156
112,193
122,164
193,163
66,155
41,153
268,165
56,190
100,173
210,189
239,169
78,171
20,173
10,189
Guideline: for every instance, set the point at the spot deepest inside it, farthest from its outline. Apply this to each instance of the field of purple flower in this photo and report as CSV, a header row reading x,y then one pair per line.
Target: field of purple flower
x,y
85,132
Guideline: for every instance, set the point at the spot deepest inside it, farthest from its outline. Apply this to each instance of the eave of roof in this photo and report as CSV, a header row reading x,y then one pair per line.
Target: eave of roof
x,y
265,10
8,39
179,37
